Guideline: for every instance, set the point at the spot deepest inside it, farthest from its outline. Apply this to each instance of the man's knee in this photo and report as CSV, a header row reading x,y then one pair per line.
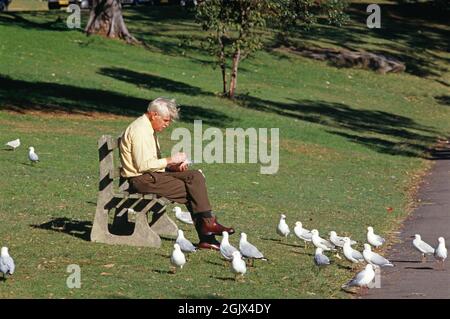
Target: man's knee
x,y
196,176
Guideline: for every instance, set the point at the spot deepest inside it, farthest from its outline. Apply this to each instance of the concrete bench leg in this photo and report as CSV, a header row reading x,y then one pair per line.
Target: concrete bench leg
x,y
165,226
143,235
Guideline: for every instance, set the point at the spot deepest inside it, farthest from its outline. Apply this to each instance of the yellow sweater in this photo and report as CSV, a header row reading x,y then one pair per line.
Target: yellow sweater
x,y
139,149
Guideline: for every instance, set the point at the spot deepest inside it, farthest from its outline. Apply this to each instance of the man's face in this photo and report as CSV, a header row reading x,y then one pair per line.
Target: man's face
x,y
159,122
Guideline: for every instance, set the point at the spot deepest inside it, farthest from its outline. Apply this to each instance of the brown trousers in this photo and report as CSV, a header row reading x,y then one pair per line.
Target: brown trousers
x,y
187,188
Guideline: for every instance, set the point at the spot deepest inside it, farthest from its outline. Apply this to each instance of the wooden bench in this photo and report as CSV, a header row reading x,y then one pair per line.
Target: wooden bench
x,y
114,195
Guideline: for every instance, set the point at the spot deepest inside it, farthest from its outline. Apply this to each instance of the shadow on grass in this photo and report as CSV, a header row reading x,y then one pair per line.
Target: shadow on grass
x,y
443,99
163,272
223,278
25,20
22,96
152,82
76,228
396,134
413,29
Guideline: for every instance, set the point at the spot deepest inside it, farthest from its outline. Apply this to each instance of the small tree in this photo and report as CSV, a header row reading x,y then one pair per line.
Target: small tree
x,y
234,32
236,26
106,19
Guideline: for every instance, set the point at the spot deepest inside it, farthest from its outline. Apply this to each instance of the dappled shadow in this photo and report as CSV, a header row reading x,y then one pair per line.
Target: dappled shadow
x,y
22,96
152,82
76,228
412,29
396,134
25,20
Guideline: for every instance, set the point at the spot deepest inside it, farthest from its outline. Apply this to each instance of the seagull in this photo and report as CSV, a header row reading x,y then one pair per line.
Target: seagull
x,y
177,259
373,258
440,252
423,247
302,233
32,155
363,278
351,254
185,245
338,240
283,228
320,242
184,217
7,265
225,248
320,259
13,144
238,265
373,239
248,250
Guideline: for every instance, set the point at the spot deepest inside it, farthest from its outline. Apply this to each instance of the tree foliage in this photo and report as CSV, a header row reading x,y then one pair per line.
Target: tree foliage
x,y
236,27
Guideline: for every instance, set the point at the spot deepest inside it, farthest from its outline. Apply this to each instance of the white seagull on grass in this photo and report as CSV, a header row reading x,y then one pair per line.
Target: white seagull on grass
x,y
283,228
177,259
32,156
338,240
238,265
375,259
7,265
351,254
185,245
363,278
320,259
13,144
184,217
320,242
248,250
302,233
373,239
226,249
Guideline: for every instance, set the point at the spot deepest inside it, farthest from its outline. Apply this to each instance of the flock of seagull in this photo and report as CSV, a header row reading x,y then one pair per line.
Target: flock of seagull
x,y
32,156
247,251
374,261
228,251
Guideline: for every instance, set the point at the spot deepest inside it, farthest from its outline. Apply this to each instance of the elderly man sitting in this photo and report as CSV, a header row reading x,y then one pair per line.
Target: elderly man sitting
x,y
147,172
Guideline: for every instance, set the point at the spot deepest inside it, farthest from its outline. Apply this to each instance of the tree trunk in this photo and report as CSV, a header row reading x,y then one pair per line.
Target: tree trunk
x,y
234,72
106,19
223,64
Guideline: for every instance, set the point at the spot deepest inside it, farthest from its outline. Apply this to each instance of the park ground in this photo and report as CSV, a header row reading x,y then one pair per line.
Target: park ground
x,y
354,145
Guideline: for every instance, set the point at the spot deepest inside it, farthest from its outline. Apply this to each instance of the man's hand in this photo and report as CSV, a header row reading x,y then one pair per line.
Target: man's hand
x,y
176,159
178,167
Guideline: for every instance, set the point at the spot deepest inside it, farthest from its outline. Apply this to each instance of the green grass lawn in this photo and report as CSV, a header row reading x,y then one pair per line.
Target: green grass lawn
x,y
352,144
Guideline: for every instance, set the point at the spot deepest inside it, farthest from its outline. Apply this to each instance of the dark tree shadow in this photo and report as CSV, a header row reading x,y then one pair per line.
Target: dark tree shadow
x,y
413,29
57,23
396,134
72,227
152,82
21,96
443,99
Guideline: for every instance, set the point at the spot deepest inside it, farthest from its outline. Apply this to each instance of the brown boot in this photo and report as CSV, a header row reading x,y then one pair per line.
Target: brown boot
x,y
206,224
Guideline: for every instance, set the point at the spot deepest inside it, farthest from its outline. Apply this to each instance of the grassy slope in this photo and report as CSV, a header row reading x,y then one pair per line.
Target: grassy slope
x,y
349,149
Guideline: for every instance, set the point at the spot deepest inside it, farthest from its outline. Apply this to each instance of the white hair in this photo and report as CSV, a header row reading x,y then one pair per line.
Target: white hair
x,y
164,107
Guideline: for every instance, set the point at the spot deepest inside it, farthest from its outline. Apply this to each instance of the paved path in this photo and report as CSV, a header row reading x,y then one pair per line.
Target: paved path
x,y
431,219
